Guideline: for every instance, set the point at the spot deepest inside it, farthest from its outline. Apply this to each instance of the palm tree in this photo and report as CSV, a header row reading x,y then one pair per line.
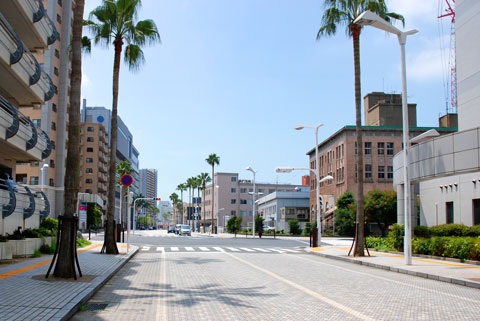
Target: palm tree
x,y
64,267
343,13
198,185
189,184
204,178
115,20
181,187
213,160
174,199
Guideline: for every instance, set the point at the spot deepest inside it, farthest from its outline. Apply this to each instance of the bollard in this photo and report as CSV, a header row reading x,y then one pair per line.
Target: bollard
x,y
314,234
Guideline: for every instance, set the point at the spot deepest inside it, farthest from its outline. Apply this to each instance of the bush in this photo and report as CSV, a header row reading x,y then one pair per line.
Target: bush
x,y
82,242
16,235
3,238
378,243
36,253
50,224
308,229
421,231
46,249
395,237
449,230
473,231
421,245
294,227
31,233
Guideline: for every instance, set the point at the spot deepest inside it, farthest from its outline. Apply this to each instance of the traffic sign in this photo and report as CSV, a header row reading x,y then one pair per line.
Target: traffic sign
x,y
126,180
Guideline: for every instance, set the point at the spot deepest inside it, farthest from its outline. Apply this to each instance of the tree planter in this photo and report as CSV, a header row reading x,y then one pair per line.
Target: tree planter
x,y
47,240
23,248
5,251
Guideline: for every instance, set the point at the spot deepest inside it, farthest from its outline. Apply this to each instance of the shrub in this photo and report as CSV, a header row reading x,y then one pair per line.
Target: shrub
x,y
31,233
421,245
473,230
44,232
82,242
294,227
395,237
50,224
378,243
437,246
308,229
16,235
36,253
449,230
421,231
46,249
3,238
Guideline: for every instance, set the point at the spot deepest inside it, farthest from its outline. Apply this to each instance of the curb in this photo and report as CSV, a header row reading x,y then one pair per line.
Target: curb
x,y
462,282
72,307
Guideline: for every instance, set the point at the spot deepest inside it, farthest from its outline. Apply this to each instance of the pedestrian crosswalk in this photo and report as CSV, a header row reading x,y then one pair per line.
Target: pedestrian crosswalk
x,y
204,249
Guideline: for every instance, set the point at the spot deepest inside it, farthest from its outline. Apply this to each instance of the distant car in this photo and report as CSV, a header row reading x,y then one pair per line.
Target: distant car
x,y
177,228
171,229
268,228
185,230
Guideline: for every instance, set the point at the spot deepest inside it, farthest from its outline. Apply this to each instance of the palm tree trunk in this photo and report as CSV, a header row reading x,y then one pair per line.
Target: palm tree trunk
x,y
360,224
110,244
203,211
213,196
64,267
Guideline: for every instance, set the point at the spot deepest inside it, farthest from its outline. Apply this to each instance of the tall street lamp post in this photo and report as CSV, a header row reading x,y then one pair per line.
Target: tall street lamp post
x,y
317,174
42,171
369,18
319,210
248,168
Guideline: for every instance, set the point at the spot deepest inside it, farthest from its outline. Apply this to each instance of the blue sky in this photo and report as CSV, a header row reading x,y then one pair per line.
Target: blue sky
x,y
233,77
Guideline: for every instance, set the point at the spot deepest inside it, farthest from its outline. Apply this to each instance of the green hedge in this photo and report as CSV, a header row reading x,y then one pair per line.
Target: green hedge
x,y
447,230
463,248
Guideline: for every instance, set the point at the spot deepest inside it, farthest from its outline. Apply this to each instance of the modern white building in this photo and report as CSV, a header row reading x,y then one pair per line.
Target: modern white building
x,y
445,171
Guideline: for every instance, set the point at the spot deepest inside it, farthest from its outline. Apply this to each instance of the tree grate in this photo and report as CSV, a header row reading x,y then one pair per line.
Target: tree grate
x,y
96,306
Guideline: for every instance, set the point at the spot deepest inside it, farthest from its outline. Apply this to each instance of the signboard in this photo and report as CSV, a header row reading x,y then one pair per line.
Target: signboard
x,y
126,180
82,215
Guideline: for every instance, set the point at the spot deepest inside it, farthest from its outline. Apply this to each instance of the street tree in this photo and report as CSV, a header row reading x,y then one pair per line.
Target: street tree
x,y
381,208
116,21
259,224
204,178
345,214
213,160
181,187
64,267
174,199
234,224
343,13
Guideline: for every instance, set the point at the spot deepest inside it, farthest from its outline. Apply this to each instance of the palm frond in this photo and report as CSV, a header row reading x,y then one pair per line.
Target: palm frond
x,y
134,57
86,45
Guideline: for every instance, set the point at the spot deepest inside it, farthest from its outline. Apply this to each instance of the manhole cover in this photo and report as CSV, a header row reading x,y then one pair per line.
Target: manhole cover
x,y
96,306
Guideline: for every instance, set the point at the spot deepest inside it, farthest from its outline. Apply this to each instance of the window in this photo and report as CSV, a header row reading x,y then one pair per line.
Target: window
x,y
233,201
243,190
56,89
368,148
53,144
390,148
55,71
381,172
233,179
449,212
89,160
271,190
59,19
233,213
390,172
90,139
476,211
51,182
33,180
90,129
243,201
250,190
54,107
250,202
250,213
381,148
52,163
233,190
89,191
59,2
89,149
88,181
261,190
89,170
37,122
54,126
243,213
356,152
368,171
57,53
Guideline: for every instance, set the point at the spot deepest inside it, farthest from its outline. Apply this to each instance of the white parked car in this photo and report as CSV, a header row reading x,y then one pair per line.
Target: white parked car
x,y
185,230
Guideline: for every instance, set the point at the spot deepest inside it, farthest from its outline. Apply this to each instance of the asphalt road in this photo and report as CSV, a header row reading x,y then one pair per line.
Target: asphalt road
x,y
243,285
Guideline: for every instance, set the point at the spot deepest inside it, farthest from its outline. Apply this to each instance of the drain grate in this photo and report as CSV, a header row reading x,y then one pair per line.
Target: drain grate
x,y
96,306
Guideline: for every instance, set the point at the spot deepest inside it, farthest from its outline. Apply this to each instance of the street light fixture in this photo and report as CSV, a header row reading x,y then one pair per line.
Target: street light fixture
x,y
314,172
369,18
248,168
317,173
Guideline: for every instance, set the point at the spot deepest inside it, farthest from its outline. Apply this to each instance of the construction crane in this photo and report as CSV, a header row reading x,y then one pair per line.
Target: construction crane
x,y
449,11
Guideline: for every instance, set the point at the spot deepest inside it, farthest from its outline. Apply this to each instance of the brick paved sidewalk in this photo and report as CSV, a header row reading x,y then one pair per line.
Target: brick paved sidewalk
x,y
26,294
436,269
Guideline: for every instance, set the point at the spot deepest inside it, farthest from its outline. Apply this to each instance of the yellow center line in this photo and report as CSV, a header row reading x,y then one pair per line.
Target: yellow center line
x,y
39,264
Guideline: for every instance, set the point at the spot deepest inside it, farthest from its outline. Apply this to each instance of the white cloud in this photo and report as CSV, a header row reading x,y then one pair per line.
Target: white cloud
x,y
426,65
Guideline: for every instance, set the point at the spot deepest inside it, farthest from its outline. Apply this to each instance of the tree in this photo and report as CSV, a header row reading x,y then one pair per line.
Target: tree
x,y
115,20
381,208
191,186
205,178
64,267
343,13
166,216
181,187
259,224
174,199
94,216
345,214
234,224
294,227
213,160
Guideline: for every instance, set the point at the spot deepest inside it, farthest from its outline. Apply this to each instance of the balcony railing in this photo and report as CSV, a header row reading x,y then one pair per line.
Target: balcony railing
x,y
19,204
20,73
29,19
18,131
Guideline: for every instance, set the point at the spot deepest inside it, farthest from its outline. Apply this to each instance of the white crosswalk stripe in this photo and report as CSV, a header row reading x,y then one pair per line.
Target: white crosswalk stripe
x,y
175,249
288,250
189,248
204,248
146,248
277,250
160,249
219,249
261,250
248,250
233,249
